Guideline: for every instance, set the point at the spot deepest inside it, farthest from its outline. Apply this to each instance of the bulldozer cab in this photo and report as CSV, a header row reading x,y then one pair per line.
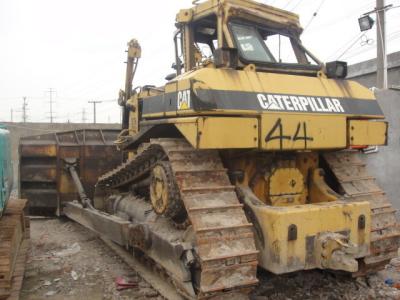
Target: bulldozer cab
x,y
240,33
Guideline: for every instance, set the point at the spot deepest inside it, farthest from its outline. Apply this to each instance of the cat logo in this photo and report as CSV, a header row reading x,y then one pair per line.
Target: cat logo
x,y
268,103
183,100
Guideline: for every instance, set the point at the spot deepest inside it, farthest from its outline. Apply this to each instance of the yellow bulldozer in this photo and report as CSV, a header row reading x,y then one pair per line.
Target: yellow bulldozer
x,y
248,157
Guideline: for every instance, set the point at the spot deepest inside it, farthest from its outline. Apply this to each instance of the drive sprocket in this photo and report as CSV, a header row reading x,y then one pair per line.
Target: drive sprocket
x,y
164,194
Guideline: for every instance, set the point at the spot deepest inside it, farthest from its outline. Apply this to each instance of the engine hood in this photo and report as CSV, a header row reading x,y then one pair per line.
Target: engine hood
x,y
226,91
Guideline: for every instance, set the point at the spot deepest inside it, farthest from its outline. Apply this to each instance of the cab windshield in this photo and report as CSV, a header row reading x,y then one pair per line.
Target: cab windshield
x,y
262,46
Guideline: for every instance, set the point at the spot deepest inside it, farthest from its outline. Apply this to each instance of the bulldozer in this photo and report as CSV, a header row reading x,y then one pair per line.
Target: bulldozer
x,y
248,157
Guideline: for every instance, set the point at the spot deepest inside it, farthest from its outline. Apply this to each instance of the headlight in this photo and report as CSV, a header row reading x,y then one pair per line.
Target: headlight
x,y
365,22
336,69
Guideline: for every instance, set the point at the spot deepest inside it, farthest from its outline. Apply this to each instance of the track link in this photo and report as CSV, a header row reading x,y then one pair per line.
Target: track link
x,y
224,238
358,185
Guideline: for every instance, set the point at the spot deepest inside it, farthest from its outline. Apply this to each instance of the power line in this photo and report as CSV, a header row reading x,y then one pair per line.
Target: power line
x,y
333,55
314,15
24,105
351,46
294,7
84,115
51,91
272,3
94,109
286,5
335,19
359,51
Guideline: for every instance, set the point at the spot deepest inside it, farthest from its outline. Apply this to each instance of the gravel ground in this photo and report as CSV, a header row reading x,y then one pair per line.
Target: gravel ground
x,y
318,284
69,262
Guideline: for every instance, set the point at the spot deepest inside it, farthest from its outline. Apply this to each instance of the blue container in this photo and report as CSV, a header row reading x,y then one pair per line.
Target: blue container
x,y
6,170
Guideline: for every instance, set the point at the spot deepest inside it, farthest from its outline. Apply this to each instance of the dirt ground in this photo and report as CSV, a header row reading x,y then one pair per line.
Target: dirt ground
x,y
318,284
69,262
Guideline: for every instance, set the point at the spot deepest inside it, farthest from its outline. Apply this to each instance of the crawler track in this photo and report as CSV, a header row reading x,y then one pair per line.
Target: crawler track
x,y
147,270
225,248
357,184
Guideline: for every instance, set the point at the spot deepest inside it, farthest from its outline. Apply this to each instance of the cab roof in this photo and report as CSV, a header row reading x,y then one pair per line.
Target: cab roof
x,y
244,9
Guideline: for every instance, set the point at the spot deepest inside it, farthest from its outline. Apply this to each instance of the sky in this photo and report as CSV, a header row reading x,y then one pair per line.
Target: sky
x,y
77,48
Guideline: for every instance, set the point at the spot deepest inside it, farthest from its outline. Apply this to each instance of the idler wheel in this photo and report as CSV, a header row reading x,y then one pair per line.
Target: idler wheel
x,y
164,194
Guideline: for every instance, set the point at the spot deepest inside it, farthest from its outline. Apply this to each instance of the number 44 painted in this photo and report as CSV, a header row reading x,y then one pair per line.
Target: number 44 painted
x,y
276,133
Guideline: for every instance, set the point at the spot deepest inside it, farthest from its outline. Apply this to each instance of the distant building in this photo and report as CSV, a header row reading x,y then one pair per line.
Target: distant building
x,y
365,72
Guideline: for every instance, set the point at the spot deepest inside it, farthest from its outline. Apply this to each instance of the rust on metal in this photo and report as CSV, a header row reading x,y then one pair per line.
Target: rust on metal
x,y
14,244
45,181
357,184
224,238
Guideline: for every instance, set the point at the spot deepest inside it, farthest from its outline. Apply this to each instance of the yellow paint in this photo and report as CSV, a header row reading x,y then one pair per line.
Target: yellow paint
x,y
275,180
322,132
279,255
289,187
264,82
367,133
184,15
319,191
261,82
135,50
189,130
313,131
286,187
233,7
133,114
220,132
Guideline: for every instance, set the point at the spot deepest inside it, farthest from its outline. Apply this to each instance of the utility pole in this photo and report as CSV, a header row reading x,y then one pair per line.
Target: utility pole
x,y
94,109
12,115
84,115
366,23
381,59
24,105
51,91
